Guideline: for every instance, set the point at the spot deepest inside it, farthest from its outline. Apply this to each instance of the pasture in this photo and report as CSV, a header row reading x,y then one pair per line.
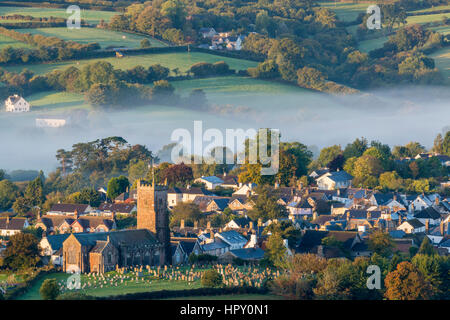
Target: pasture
x,y
7,41
90,16
181,60
442,61
369,45
346,11
106,38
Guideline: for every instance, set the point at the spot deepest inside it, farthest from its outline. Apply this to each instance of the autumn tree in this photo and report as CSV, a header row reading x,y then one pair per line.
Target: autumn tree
x,y
21,252
407,283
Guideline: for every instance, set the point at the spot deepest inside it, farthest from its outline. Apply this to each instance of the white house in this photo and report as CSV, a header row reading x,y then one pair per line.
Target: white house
x,y
420,203
207,32
11,226
211,182
334,180
412,226
16,103
245,190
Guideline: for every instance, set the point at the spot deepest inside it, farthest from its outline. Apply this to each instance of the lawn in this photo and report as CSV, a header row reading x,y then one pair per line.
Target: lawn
x,y
432,9
442,29
91,16
7,41
106,38
427,18
53,101
346,11
442,60
181,60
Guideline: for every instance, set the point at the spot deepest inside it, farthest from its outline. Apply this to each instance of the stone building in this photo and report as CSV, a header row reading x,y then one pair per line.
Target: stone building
x,y
149,244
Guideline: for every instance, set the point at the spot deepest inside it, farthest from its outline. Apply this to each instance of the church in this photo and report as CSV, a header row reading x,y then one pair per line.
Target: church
x,y
148,244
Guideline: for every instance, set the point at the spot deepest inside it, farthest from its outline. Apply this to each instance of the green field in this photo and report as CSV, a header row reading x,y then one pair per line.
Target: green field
x,y
369,45
130,287
106,38
90,16
181,60
432,9
442,29
442,60
346,11
427,18
7,41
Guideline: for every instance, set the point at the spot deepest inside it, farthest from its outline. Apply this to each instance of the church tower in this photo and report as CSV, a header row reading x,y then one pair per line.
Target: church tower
x,y
152,214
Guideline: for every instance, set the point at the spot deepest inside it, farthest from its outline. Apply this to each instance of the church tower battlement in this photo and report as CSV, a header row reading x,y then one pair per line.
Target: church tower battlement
x,y
153,215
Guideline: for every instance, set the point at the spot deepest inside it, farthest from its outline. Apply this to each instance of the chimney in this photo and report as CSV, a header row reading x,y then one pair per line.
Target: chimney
x,y
251,225
348,215
260,222
253,240
196,224
369,215
211,235
427,225
315,215
113,215
399,219
208,225
441,228
76,214
436,201
7,219
277,185
182,224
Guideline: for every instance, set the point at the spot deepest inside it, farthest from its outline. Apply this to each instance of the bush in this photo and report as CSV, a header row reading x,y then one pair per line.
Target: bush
x,y
211,278
49,289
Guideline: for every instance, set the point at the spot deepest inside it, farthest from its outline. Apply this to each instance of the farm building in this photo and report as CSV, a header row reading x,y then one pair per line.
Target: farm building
x,y
16,103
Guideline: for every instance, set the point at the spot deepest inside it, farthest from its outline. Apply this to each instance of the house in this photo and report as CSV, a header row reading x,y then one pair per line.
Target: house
x,y
412,226
240,203
245,190
207,32
334,180
428,215
51,247
11,226
311,242
178,195
66,224
240,223
229,181
69,209
211,182
317,173
183,250
299,209
16,103
233,238
438,233
419,203
126,197
117,208
246,254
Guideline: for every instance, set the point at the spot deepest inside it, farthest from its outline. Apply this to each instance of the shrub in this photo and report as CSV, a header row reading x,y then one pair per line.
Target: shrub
x,y
211,278
49,289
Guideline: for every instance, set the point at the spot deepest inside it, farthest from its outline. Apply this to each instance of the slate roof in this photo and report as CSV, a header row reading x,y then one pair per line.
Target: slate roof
x,y
212,179
214,246
137,237
56,241
415,223
116,207
222,203
232,237
382,198
98,248
313,238
339,176
13,224
428,213
242,222
69,207
248,253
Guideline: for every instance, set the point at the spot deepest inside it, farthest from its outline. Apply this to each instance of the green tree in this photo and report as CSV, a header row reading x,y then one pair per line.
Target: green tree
x,y
426,248
381,243
145,43
117,186
21,252
275,250
49,289
8,194
266,205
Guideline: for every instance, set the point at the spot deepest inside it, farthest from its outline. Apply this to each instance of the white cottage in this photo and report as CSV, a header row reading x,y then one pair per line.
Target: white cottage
x,y
16,104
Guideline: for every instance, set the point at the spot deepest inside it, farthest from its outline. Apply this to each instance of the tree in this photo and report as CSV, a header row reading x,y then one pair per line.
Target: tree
x,y
137,171
187,211
117,186
435,270
275,250
310,78
288,55
356,148
8,194
34,192
266,205
21,252
446,144
328,154
49,289
426,248
391,181
175,10
407,283
65,158
180,174
88,196
381,243
145,43
211,278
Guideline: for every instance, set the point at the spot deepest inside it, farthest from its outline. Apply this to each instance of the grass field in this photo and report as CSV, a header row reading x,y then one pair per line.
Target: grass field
x,y
105,38
346,11
369,45
7,41
181,60
437,8
155,285
442,60
427,18
442,29
90,16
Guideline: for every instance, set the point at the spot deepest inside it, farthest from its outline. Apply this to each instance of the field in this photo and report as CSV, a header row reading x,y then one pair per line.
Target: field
x,y
432,9
90,16
442,60
442,29
181,60
346,11
427,18
7,41
106,38
369,45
